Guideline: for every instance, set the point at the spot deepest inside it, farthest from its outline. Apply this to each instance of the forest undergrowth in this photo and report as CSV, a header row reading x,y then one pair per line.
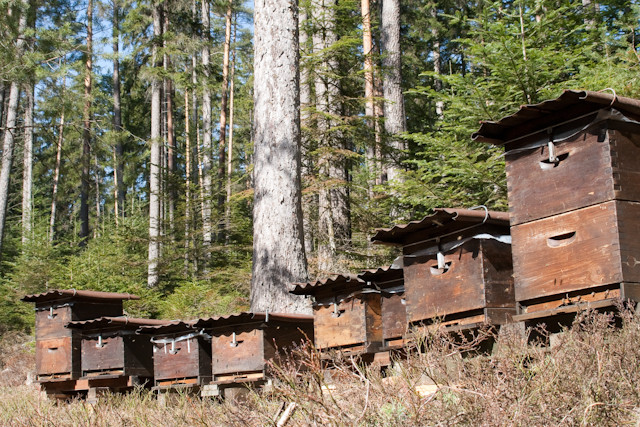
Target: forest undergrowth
x,y
589,376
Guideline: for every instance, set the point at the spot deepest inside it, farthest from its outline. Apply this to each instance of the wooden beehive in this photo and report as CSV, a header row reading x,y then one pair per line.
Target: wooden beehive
x,y
573,169
242,344
578,150
111,348
181,354
457,267
347,315
390,283
58,351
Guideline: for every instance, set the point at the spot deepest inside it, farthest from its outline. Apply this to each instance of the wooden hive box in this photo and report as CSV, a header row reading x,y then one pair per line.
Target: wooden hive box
x,y
58,352
242,344
181,354
457,267
389,282
111,348
347,315
574,217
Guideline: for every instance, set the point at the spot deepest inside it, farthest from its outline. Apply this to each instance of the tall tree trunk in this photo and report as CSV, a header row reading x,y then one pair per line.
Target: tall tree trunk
x,y
10,127
96,181
437,65
227,212
155,160
2,93
187,197
278,246
309,201
117,116
223,114
207,230
86,130
369,111
56,178
394,117
171,143
27,165
334,225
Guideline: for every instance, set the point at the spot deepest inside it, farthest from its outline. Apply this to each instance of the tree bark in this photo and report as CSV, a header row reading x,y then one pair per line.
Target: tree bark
x,y
56,178
394,117
369,111
187,197
207,230
309,201
27,166
278,246
10,127
117,116
155,160
227,214
334,225
224,95
171,139
86,130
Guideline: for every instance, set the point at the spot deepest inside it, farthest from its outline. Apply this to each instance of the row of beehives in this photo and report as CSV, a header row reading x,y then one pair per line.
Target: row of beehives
x,y
574,193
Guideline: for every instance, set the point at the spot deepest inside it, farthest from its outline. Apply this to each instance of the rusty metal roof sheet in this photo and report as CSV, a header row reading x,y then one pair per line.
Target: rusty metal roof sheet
x,y
168,328
570,105
56,294
249,317
382,274
344,280
120,322
443,221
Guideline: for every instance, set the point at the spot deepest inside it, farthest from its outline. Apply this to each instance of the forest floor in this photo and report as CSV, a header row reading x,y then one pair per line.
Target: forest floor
x,y
589,376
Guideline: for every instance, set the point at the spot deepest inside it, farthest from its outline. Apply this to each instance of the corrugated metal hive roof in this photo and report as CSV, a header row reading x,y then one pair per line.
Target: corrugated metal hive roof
x,y
56,294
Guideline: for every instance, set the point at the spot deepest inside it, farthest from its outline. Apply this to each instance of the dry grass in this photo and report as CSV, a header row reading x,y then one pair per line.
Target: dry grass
x,y
591,376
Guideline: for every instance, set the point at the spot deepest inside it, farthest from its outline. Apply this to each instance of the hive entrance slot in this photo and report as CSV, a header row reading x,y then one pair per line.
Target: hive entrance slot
x,y
435,271
561,239
547,164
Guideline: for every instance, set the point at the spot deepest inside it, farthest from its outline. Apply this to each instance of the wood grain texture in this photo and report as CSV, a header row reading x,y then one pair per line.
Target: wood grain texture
x,y
190,360
57,355
584,177
349,328
567,252
248,355
430,293
394,316
108,357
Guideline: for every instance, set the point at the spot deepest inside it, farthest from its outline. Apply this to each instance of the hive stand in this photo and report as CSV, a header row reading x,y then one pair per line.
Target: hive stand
x,y
243,344
457,268
347,315
181,357
58,349
114,358
389,281
573,176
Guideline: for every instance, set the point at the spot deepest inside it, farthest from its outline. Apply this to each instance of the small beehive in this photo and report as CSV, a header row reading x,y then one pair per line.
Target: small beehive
x,y
573,175
390,283
111,348
181,354
242,344
347,315
457,267
58,348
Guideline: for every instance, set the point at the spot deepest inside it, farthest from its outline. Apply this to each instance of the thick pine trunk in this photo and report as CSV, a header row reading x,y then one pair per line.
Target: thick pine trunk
x,y
27,165
86,130
187,196
394,117
10,127
309,201
278,247
155,160
207,230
